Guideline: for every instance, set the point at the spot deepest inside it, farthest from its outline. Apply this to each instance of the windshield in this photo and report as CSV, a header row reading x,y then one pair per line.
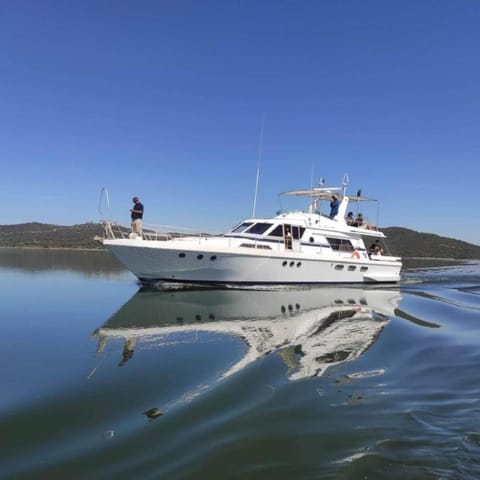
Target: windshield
x,y
242,227
259,228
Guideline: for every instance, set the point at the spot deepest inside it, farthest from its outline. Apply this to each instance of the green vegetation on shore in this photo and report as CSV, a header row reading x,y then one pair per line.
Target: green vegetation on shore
x,y
400,241
409,243
44,235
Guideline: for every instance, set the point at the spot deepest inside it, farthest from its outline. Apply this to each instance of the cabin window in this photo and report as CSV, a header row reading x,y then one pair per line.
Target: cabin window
x,y
352,268
297,232
259,228
242,227
200,256
340,244
339,267
277,231
363,269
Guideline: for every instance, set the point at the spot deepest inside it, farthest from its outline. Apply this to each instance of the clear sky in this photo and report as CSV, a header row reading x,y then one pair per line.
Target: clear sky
x,y
165,99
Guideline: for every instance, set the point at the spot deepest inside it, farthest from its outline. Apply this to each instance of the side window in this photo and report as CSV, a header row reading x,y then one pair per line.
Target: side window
x,y
334,243
298,232
340,244
277,231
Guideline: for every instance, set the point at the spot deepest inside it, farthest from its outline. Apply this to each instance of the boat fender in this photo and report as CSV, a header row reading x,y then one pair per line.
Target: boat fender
x,y
355,254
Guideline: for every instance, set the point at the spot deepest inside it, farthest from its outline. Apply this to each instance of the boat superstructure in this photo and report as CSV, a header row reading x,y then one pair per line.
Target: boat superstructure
x,y
295,247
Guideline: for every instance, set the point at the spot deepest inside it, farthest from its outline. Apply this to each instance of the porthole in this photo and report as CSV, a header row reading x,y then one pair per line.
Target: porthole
x,y
213,257
211,316
200,256
283,309
352,268
311,239
339,267
297,306
363,269
284,263
181,255
198,318
292,264
299,264
290,307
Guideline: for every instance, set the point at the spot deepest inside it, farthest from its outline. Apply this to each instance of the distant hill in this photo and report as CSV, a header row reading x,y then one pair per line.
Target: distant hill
x,y
400,241
409,243
44,235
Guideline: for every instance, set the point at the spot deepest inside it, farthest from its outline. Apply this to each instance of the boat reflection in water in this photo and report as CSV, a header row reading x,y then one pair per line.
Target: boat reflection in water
x,y
311,329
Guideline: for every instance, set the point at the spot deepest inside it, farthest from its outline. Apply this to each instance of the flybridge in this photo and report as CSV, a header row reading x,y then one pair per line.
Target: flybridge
x,y
319,194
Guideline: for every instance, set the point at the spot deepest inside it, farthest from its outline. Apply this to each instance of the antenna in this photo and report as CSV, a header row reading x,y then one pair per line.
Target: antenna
x,y
311,177
345,183
103,192
260,147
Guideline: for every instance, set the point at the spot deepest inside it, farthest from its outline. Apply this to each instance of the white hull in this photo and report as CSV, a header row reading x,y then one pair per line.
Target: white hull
x,y
153,261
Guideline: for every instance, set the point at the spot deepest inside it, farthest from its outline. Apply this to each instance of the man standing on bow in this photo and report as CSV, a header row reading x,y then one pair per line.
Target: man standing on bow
x,y
137,215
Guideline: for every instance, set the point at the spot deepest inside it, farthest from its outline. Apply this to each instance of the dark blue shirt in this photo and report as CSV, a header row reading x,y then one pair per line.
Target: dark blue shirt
x,y
135,215
334,204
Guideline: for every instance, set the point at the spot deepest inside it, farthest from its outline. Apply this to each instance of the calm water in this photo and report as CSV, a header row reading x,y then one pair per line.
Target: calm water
x,y
103,381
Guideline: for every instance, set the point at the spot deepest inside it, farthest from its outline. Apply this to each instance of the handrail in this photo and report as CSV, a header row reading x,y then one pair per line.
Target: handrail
x,y
114,230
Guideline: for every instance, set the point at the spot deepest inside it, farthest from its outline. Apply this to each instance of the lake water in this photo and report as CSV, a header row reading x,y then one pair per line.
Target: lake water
x,y
100,380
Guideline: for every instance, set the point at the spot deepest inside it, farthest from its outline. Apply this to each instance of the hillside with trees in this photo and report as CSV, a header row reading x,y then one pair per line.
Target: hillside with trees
x,y
44,235
400,241
409,243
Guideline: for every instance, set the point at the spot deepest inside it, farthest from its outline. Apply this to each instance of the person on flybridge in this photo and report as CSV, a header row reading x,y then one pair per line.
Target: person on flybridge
x,y
334,205
137,215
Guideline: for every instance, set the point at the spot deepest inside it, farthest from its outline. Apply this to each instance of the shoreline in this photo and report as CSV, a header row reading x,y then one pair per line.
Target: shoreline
x,y
102,249
77,249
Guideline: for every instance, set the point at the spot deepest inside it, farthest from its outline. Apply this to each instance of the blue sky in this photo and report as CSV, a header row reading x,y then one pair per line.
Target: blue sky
x,y
165,100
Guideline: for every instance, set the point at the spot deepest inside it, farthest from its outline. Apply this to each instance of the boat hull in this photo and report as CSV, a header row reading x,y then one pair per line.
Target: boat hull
x,y
168,262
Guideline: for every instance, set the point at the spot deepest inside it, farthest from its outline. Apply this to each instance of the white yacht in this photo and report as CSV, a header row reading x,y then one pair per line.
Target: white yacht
x,y
295,247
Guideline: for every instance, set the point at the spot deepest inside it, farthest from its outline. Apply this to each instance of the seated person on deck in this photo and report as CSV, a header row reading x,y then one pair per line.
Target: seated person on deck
x,y
358,221
349,219
375,248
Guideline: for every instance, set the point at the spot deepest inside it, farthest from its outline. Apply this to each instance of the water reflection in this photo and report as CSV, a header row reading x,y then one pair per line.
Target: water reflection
x,y
311,329
40,260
